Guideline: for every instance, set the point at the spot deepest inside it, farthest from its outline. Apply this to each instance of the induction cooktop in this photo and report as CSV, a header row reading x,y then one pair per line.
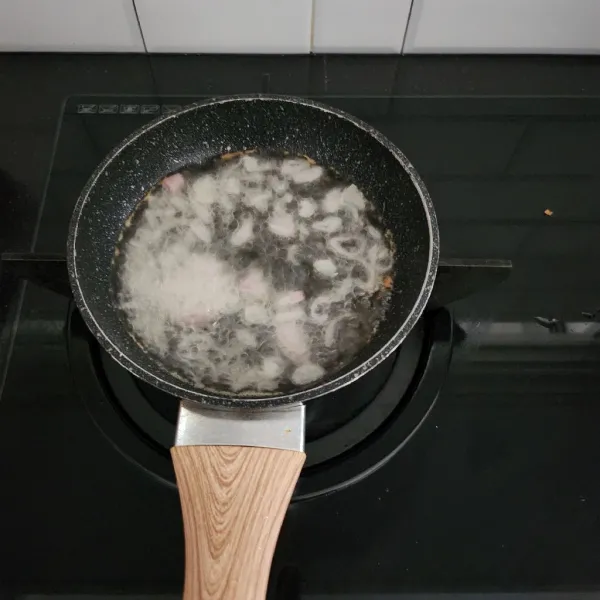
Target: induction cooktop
x,y
492,487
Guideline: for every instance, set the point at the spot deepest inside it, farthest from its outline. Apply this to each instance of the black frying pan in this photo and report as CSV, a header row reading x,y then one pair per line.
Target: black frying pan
x,y
232,533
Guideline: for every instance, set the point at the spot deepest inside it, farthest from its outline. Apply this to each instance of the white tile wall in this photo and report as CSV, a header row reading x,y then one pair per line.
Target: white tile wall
x,y
69,25
299,26
359,25
228,26
504,26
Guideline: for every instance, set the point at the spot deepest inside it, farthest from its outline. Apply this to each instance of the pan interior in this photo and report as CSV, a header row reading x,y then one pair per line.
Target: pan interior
x,y
289,256
197,135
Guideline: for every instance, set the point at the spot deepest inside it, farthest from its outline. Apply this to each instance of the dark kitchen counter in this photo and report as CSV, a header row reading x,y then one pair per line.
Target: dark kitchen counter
x,y
499,489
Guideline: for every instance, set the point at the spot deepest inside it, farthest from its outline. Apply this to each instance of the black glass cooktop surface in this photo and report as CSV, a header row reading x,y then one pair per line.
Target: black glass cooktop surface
x,y
498,490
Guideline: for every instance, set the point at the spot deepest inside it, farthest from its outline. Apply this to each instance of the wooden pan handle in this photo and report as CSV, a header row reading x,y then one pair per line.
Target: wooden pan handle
x,y
233,500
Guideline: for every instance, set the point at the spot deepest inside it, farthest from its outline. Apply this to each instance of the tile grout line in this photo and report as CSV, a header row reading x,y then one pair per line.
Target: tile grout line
x,y
137,18
312,26
410,14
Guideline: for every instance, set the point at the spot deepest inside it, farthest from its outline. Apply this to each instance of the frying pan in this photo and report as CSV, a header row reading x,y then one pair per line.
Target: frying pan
x,y
237,459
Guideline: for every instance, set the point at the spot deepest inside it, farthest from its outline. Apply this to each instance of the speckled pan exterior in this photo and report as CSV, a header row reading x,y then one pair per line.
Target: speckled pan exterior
x,y
201,131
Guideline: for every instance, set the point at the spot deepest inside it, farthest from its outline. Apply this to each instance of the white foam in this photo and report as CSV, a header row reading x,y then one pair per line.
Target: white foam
x,y
243,233
308,175
326,267
307,373
239,280
306,208
283,225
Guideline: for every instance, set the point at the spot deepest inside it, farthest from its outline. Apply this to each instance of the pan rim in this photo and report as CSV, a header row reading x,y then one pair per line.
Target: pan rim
x,y
258,402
